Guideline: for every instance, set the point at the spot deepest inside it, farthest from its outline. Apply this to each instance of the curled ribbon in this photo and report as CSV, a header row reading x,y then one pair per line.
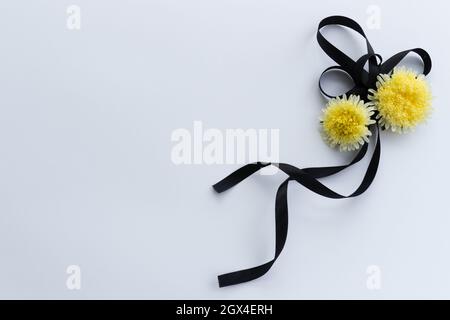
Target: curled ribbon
x,y
309,177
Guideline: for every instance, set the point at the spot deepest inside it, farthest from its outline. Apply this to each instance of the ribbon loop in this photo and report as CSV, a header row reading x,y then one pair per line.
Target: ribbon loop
x,y
326,71
392,62
334,53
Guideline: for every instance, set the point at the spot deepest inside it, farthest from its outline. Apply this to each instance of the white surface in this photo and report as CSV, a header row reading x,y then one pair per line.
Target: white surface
x,y
86,175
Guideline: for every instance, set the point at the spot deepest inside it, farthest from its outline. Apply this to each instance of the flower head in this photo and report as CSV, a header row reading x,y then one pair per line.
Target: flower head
x,y
345,122
403,100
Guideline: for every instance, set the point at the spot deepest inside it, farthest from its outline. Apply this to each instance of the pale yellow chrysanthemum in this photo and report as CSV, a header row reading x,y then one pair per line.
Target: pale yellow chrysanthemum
x,y
345,122
403,100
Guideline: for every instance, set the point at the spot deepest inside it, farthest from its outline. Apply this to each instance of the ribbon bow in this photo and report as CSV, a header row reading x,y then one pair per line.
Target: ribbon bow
x,y
309,177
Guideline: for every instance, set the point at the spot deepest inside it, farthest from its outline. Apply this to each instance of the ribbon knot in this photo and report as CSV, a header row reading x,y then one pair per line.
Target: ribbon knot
x,y
309,177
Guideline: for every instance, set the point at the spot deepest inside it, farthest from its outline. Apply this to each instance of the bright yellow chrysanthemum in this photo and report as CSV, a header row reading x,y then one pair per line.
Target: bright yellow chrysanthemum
x,y
403,100
345,122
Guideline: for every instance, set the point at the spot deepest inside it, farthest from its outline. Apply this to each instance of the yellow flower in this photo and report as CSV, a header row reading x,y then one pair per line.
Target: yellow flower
x,y
345,122
403,100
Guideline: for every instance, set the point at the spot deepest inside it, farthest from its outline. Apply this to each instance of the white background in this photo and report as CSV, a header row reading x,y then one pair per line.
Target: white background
x,y
86,176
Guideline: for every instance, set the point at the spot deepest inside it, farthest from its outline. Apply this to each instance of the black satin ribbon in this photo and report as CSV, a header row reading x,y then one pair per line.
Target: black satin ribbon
x,y
363,81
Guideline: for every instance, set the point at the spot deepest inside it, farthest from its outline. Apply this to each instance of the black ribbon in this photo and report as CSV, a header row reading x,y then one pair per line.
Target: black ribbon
x,y
309,178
